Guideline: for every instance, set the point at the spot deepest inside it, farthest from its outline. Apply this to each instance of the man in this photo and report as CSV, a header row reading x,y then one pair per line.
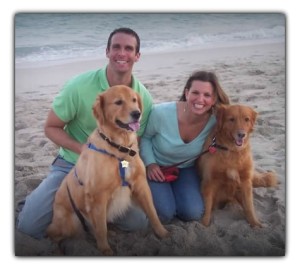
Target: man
x,y
70,122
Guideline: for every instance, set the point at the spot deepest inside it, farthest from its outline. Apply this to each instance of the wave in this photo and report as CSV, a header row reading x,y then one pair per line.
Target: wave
x,y
62,37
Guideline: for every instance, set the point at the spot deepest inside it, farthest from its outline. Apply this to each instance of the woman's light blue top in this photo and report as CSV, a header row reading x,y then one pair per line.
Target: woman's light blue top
x,y
161,142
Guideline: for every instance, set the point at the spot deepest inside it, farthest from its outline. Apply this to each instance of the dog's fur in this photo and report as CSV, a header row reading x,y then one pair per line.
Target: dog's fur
x,y
101,197
229,175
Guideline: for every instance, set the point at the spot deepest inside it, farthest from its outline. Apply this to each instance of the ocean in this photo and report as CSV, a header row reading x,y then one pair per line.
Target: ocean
x,y
49,38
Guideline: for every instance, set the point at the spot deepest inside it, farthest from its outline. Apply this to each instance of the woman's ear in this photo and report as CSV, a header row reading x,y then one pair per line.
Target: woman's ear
x,y
186,93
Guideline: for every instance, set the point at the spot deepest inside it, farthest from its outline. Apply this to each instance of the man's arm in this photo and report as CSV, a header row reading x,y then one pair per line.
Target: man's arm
x,y
54,130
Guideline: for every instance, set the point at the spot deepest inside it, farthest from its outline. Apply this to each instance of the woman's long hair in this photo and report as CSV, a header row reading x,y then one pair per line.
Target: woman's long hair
x,y
207,76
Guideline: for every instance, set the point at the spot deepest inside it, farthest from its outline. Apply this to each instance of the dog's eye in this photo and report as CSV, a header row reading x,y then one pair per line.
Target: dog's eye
x,y
231,119
134,100
119,102
247,119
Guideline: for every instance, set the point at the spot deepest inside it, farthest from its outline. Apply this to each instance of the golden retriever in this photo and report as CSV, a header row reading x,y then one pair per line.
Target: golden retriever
x,y
93,189
227,169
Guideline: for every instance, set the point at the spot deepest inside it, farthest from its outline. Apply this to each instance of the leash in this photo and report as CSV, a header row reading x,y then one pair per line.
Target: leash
x,y
77,212
77,177
212,148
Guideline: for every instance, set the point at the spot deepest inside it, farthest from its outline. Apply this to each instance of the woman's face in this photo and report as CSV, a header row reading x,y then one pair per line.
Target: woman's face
x,y
200,97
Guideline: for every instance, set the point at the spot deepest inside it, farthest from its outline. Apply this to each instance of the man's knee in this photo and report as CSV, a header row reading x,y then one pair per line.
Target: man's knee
x,y
25,225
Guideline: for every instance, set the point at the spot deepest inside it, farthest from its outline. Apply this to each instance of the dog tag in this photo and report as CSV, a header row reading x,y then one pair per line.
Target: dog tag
x,y
212,149
124,163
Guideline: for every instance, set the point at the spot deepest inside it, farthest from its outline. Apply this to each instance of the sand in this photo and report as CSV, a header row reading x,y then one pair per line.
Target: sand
x,y
252,75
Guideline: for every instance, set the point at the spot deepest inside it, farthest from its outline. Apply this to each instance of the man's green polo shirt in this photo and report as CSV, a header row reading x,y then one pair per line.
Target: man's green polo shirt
x,y
74,103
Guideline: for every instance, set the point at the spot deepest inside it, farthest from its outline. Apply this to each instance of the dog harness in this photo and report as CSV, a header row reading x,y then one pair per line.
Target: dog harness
x,y
123,164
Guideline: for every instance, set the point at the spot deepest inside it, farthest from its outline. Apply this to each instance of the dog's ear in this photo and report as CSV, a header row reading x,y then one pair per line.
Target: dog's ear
x,y
254,115
98,109
220,115
140,103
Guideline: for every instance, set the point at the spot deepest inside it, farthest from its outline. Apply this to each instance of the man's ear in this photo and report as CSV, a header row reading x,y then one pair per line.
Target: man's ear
x,y
137,57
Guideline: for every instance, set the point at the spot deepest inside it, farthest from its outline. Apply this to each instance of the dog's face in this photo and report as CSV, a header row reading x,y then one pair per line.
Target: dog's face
x,y
120,108
235,123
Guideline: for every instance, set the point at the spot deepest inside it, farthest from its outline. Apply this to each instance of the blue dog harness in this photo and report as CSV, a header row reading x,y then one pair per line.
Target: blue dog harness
x,y
123,164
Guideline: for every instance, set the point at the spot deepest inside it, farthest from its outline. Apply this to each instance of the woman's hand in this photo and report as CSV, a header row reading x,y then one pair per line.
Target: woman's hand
x,y
154,173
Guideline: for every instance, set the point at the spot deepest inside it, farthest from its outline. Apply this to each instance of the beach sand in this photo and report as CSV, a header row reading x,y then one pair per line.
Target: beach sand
x,y
251,75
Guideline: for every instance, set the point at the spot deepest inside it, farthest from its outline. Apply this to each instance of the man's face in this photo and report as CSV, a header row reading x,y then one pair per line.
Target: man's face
x,y
122,52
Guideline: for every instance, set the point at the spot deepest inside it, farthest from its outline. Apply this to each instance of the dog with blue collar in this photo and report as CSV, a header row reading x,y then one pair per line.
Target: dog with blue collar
x,y
109,175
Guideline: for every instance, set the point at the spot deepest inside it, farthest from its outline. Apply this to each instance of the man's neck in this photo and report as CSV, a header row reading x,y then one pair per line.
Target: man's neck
x,y
118,78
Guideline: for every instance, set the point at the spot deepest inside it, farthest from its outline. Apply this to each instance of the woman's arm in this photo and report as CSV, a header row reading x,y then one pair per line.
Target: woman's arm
x,y
146,147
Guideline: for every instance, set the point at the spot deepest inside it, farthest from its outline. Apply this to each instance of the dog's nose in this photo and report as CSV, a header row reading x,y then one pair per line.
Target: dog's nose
x,y
241,134
135,115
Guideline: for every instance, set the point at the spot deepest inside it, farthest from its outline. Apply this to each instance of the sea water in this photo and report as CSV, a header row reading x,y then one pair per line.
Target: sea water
x,y
45,38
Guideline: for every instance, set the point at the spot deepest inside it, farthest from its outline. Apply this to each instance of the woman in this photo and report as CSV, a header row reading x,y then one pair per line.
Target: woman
x,y
175,134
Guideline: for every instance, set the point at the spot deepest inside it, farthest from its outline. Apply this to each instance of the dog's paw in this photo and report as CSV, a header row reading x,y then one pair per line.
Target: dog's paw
x,y
107,252
205,221
105,249
163,233
256,224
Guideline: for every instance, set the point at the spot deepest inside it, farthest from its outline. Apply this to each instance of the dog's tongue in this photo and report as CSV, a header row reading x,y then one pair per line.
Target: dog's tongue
x,y
239,142
135,126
